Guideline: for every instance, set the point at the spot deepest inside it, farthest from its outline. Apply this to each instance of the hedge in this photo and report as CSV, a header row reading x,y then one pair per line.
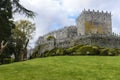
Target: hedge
x,y
83,50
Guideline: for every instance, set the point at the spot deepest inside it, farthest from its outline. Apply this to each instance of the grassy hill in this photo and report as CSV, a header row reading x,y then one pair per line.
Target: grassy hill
x,y
64,68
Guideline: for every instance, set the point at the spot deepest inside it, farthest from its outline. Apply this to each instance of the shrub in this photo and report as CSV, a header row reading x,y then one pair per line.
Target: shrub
x,y
82,50
118,51
45,54
34,54
113,52
104,52
88,50
52,52
8,60
96,50
59,51
73,49
56,51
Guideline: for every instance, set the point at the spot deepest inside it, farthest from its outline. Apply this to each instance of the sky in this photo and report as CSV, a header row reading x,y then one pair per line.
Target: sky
x,y
54,14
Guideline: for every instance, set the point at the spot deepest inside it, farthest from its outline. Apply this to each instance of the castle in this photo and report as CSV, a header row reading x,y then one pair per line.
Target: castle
x,y
92,28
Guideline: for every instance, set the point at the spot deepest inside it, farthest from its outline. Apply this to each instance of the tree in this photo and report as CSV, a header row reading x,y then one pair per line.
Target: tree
x,y
21,34
7,9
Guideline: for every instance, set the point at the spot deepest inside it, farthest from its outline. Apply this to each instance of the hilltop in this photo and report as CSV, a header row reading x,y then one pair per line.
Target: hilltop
x,y
64,68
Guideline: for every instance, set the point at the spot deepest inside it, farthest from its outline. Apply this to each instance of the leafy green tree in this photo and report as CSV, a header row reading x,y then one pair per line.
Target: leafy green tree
x,y
7,9
23,31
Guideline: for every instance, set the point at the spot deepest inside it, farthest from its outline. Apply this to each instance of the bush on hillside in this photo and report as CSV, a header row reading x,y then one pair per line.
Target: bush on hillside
x,y
113,52
60,51
56,51
53,52
82,50
45,54
104,51
109,52
118,51
72,50
7,60
88,50
34,54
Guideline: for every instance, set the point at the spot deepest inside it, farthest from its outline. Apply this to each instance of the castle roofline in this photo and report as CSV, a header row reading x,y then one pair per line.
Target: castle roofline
x,y
95,11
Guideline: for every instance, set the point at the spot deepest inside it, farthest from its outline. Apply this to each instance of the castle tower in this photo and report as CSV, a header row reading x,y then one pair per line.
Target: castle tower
x,y
94,22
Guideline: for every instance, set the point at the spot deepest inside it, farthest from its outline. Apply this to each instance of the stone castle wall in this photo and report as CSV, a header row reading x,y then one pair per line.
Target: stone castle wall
x,y
110,41
93,28
63,33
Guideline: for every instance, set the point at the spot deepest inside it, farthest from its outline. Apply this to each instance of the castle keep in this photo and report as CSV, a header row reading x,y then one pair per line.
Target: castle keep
x,y
94,22
92,28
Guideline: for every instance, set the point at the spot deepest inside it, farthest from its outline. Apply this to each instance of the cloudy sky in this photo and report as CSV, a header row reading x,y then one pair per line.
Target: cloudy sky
x,y
54,14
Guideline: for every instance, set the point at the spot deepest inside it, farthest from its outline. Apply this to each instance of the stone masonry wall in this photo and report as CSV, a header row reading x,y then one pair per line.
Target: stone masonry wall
x,y
94,22
93,28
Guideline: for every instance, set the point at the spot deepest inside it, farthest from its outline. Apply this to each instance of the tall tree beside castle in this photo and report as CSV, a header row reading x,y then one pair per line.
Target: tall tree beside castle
x,y
7,9
23,31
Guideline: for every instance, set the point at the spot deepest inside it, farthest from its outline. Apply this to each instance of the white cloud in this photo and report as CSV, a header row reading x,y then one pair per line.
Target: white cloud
x,y
63,12
75,5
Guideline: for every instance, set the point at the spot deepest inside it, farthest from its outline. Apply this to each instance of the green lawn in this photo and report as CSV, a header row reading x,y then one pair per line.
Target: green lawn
x,y
64,68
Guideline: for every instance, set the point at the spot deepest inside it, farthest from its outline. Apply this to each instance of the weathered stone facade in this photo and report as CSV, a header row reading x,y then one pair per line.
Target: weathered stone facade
x,y
94,22
66,32
93,28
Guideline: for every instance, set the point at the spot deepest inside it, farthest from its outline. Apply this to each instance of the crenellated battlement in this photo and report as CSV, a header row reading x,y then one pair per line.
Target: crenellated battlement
x,y
96,12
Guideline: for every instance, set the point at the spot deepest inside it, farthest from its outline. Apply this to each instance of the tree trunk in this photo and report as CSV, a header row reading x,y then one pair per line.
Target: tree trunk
x,y
2,46
24,51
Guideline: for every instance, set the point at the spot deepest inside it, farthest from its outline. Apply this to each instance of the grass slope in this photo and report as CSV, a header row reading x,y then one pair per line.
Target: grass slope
x,y
64,68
